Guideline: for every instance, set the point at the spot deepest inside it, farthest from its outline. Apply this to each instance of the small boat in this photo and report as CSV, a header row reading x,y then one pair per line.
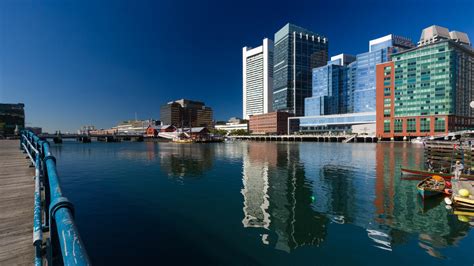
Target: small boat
x,y
408,171
431,186
423,173
183,141
418,140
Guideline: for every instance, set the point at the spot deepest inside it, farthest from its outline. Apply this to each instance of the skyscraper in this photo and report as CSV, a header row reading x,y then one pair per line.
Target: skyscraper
x,y
330,87
362,77
257,79
297,51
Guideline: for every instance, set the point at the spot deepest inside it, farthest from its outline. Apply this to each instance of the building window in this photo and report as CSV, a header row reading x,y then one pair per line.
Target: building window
x,y
386,126
440,125
425,125
387,92
398,127
386,112
411,125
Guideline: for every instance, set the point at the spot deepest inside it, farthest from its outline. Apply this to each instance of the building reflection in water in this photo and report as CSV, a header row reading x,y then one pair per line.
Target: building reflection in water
x,y
358,184
277,197
185,160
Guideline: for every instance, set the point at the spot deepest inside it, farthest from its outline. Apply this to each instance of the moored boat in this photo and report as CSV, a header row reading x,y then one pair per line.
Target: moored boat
x,y
431,186
423,173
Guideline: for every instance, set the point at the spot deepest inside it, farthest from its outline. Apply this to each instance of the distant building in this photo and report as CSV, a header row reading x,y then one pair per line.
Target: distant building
x,y
425,91
153,130
132,127
186,113
271,123
257,79
296,52
86,130
36,130
11,117
234,123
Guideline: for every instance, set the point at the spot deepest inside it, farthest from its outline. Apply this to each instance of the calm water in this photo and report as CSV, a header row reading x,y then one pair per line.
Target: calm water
x,y
256,203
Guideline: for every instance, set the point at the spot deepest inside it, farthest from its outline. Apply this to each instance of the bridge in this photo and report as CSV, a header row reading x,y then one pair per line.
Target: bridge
x,y
345,138
36,219
94,137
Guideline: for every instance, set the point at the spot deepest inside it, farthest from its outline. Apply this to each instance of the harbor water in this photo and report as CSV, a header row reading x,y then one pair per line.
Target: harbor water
x,y
257,203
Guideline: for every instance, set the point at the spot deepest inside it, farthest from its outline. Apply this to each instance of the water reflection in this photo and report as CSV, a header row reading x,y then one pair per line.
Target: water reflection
x,y
278,198
293,191
185,161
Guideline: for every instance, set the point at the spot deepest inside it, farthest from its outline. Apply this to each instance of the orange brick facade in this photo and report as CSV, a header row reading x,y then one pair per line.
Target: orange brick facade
x,y
270,123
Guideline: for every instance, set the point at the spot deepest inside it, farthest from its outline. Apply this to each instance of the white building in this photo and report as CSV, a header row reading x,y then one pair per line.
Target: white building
x,y
257,79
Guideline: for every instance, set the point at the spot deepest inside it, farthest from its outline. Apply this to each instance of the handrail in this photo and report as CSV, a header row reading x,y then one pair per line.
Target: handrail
x,y
59,214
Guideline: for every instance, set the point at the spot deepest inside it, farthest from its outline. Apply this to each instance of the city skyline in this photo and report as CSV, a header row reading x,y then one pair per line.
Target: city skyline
x,y
100,63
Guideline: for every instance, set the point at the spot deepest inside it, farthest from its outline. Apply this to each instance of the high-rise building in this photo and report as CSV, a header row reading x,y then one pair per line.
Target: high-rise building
x,y
362,76
186,113
12,116
427,90
347,92
330,87
257,79
297,51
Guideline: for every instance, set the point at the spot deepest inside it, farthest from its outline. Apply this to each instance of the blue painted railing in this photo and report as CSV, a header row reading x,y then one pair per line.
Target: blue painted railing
x,y
52,212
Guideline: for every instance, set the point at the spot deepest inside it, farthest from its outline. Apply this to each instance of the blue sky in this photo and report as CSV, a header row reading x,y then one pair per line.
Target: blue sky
x,y
99,62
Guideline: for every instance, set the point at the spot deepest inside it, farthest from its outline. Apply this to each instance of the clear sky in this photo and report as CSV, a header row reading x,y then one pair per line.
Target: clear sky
x,y
99,62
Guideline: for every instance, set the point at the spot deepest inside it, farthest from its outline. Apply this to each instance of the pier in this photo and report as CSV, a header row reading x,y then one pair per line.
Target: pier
x,y
37,223
307,137
17,188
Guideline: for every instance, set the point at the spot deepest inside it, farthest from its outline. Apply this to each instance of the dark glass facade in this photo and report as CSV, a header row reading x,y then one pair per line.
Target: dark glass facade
x,y
186,113
297,51
11,116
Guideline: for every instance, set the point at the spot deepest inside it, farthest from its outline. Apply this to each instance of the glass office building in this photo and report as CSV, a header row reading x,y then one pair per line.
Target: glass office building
x,y
330,88
296,52
348,88
11,117
362,71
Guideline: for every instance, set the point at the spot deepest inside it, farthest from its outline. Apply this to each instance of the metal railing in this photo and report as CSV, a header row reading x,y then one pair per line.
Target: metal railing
x,y
52,211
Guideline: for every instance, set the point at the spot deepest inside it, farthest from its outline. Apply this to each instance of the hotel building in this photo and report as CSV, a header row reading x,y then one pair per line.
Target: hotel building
x,y
427,90
257,79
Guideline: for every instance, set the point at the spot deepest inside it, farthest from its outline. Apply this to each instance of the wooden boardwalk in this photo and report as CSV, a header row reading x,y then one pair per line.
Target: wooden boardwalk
x,y
16,205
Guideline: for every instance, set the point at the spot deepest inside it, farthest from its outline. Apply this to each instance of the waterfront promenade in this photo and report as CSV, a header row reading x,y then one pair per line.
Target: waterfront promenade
x,y
16,205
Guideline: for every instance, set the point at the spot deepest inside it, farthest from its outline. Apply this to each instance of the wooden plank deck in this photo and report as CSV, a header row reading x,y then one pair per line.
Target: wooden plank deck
x,y
16,205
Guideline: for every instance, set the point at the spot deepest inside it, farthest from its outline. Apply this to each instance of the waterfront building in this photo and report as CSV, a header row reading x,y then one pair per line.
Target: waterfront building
x,y
12,116
345,90
132,127
234,123
330,84
297,51
154,130
271,123
85,130
257,70
186,113
362,80
427,90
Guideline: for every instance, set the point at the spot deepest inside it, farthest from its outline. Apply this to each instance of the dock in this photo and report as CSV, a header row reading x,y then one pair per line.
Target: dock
x,y
464,204
17,188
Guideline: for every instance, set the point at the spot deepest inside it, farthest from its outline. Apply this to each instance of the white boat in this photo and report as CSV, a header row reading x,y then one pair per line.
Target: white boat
x,y
418,140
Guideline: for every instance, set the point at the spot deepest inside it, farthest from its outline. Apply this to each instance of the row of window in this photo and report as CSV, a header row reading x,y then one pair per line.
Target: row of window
x,y
410,125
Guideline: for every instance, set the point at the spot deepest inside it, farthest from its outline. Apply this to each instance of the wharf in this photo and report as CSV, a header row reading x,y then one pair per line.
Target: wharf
x,y
17,189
